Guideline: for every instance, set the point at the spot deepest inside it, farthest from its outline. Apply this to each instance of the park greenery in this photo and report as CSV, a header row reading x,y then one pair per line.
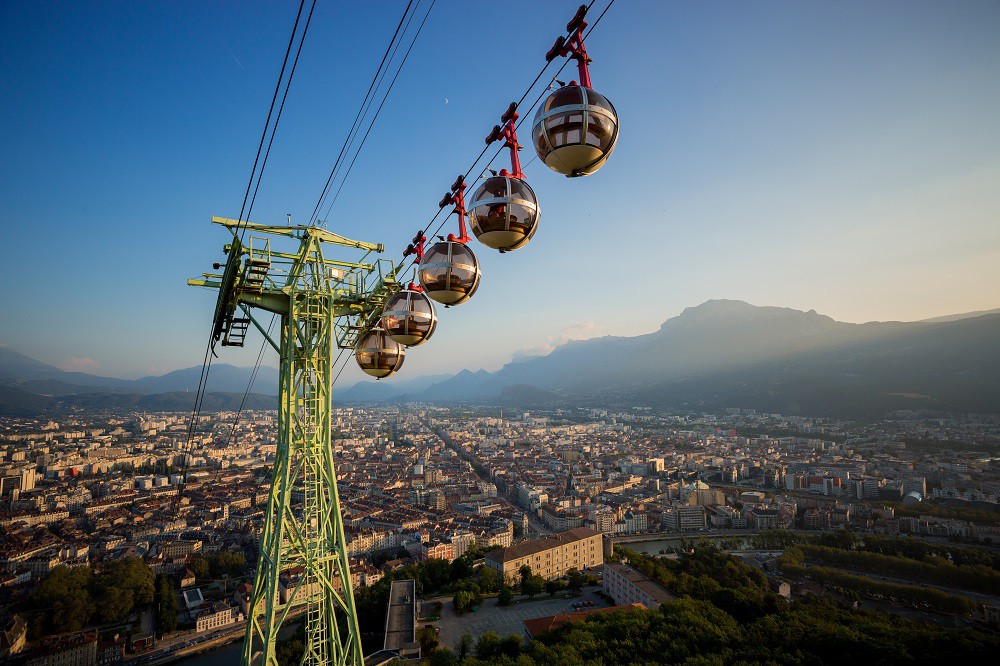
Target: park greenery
x,y
972,515
726,613
218,565
913,595
72,598
936,571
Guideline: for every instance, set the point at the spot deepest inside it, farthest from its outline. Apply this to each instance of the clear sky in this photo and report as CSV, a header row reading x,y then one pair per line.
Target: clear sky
x,y
838,156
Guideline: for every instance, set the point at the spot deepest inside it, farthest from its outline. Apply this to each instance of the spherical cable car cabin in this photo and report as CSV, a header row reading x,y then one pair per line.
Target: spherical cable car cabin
x,y
575,130
504,210
504,213
378,354
449,272
409,317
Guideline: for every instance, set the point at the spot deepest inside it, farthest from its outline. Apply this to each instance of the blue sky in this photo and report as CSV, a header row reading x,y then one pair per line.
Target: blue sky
x,y
837,156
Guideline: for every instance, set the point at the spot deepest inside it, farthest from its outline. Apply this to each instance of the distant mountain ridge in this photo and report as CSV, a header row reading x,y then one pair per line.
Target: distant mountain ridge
x,y
33,376
722,353
15,402
732,354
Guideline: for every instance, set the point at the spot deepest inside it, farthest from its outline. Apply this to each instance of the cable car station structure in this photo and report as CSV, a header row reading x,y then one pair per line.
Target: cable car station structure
x,y
325,302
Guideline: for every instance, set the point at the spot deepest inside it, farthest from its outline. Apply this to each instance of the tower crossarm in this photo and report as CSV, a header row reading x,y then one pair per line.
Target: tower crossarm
x,y
296,231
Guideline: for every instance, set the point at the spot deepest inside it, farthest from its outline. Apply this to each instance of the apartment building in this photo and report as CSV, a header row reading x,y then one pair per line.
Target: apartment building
x,y
550,557
627,585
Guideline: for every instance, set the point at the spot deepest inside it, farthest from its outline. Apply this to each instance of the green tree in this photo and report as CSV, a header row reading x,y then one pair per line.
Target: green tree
x,y
428,639
488,645
533,586
489,579
443,657
574,580
462,601
200,567
553,587
505,597
465,646
460,569
64,600
166,610
525,572
121,587
226,564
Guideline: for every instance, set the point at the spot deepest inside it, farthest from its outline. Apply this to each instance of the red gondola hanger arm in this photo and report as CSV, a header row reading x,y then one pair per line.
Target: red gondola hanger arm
x,y
457,197
416,247
573,46
508,132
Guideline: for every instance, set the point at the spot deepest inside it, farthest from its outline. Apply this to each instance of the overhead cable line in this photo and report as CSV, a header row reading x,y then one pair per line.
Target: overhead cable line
x,y
381,104
274,98
274,129
253,378
369,100
361,108
206,363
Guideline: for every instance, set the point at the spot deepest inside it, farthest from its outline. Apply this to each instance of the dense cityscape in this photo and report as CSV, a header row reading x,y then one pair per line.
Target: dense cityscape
x,y
422,484
268,398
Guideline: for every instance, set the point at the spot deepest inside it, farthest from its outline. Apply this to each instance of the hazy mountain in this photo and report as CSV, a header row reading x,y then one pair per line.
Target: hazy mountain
x,y
964,315
15,402
522,395
398,387
711,336
718,354
464,385
177,401
221,377
730,353
17,366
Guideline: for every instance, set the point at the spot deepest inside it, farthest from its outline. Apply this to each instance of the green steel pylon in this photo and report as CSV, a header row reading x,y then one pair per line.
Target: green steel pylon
x,y
323,304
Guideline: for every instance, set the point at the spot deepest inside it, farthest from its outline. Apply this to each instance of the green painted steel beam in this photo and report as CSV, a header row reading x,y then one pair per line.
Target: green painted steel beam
x,y
320,311
296,231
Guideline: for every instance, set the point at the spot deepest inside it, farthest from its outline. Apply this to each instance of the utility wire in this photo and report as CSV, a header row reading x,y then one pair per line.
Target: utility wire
x,y
381,104
274,129
357,118
206,363
253,378
274,97
371,99
365,105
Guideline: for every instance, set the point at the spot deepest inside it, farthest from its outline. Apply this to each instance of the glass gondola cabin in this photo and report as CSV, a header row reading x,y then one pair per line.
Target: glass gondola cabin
x,y
449,272
378,354
504,213
409,318
575,130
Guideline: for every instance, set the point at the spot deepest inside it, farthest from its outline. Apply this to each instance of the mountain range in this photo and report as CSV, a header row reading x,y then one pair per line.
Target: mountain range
x,y
722,353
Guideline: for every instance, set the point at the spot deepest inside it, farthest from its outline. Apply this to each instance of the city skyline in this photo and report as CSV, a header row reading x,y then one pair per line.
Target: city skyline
x,y
856,179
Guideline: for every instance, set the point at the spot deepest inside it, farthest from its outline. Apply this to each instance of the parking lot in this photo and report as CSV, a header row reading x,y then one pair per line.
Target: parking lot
x,y
507,619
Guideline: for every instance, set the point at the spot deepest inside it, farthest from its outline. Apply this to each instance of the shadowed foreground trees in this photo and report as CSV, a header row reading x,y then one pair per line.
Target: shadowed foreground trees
x,y
70,599
728,615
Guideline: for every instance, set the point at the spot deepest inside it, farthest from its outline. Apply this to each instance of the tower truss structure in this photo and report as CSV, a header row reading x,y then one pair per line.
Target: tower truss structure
x,y
323,304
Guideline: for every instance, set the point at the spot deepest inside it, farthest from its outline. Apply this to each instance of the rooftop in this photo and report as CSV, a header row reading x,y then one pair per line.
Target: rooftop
x,y
538,545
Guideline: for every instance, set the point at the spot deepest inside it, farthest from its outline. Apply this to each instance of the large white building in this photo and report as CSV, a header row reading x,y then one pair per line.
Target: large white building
x,y
627,585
